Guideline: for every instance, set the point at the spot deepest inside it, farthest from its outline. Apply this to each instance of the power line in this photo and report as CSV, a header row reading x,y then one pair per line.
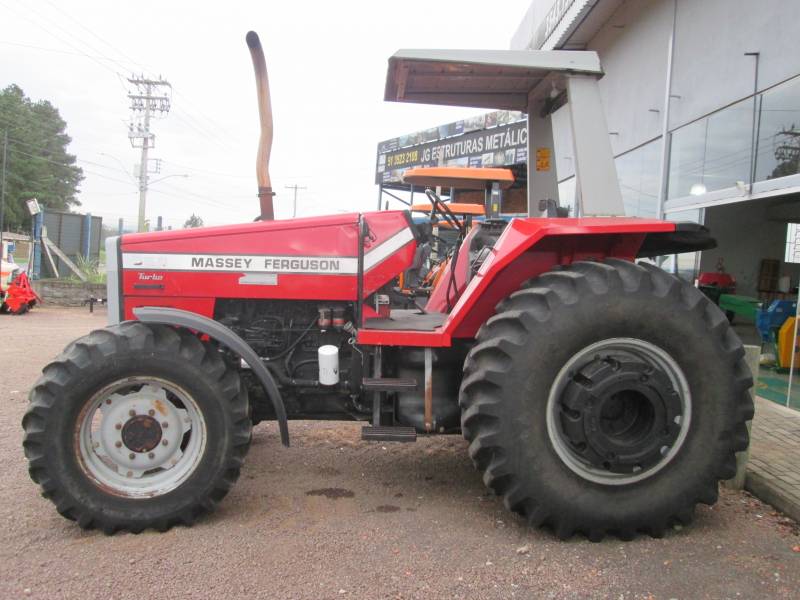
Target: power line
x,y
207,132
55,50
199,128
49,31
134,62
172,193
60,164
207,199
63,164
208,172
93,34
185,194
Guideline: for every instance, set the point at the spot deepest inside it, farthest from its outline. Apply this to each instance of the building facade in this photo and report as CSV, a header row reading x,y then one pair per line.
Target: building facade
x,y
702,100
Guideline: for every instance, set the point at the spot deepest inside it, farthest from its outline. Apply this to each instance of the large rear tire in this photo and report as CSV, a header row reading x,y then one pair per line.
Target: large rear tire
x,y
606,398
136,426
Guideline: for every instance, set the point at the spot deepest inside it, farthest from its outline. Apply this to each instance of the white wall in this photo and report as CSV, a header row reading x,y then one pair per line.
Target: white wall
x,y
633,52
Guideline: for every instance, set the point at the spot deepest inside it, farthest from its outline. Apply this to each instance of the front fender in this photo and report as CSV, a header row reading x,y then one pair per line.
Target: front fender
x,y
217,331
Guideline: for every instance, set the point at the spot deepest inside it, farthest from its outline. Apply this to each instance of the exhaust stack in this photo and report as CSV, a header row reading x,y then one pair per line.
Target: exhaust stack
x,y
265,192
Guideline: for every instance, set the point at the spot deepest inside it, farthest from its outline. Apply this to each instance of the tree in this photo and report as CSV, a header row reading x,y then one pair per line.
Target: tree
x,y
39,165
193,221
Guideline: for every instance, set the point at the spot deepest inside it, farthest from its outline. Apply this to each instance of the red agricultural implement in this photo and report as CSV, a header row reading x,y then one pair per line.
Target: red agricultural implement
x,y
597,394
16,294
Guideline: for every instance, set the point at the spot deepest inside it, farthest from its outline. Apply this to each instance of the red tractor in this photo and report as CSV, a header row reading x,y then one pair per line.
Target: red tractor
x,y
597,395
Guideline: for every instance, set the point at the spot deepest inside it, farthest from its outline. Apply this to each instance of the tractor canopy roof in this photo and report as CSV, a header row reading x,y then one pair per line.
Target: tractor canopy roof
x,y
460,178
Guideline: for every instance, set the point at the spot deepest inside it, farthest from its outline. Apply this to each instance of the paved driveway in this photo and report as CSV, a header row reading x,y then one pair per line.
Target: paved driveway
x,y
334,517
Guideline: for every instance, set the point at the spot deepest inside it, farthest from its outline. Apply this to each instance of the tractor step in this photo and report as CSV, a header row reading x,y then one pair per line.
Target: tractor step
x,y
388,385
388,434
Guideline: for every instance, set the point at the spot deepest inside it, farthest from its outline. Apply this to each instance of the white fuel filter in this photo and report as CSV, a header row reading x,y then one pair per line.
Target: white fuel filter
x,y
328,365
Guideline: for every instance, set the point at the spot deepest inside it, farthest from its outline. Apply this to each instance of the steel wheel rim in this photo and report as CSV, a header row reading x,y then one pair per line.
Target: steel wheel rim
x,y
643,351
140,437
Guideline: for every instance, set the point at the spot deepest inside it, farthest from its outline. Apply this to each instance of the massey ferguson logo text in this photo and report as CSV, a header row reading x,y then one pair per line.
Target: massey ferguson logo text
x,y
241,263
275,264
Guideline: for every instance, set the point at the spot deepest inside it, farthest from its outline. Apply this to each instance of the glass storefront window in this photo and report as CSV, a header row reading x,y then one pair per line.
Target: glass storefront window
x,y
686,265
792,254
779,132
638,174
566,195
712,153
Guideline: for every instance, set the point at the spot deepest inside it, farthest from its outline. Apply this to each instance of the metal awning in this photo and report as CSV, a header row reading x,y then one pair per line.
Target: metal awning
x,y
496,79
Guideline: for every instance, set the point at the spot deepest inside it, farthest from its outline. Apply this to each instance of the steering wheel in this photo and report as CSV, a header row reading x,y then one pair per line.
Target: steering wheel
x,y
438,206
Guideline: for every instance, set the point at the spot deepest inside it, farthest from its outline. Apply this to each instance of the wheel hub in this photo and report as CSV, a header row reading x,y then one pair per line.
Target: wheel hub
x,y
618,411
141,433
620,414
138,432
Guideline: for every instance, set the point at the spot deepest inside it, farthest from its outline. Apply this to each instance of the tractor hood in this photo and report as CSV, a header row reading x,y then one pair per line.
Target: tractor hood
x,y
314,258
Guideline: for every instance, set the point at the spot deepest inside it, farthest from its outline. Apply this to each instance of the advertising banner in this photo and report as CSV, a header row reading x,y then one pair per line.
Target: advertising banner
x,y
494,139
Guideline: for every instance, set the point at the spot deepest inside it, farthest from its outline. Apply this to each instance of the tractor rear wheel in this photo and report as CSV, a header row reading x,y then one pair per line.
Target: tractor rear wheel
x,y
606,398
136,426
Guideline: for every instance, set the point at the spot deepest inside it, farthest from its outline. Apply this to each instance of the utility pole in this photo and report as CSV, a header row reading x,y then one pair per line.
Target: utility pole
x,y
3,191
144,102
295,187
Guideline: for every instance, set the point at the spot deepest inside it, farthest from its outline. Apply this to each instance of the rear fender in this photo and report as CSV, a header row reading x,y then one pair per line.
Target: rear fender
x,y
530,247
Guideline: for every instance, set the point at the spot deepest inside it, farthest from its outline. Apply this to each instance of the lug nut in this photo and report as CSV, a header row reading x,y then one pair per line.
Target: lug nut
x,y
164,442
108,400
118,444
132,413
118,426
151,412
131,456
151,455
165,425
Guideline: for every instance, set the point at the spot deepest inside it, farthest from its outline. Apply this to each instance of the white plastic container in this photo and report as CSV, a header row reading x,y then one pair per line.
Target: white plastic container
x,y
328,365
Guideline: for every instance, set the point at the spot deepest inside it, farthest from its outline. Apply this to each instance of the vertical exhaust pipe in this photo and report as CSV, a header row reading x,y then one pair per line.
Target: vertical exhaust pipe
x,y
265,192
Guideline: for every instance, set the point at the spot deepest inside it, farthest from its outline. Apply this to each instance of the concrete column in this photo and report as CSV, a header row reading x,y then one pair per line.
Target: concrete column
x,y
752,355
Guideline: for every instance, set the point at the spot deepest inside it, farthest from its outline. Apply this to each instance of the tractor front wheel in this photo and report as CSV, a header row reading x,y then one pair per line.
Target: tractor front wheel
x,y
136,426
606,398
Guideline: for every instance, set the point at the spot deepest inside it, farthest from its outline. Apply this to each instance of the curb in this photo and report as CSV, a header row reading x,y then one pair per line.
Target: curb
x,y
763,489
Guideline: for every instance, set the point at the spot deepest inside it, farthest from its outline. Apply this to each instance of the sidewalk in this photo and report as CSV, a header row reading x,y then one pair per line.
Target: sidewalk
x,y
773,472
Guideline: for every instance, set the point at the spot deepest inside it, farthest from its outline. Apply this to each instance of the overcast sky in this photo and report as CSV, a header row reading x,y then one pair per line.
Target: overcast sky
x,y
327,68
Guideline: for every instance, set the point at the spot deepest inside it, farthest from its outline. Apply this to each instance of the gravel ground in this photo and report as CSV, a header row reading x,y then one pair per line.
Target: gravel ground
x,y
334,517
